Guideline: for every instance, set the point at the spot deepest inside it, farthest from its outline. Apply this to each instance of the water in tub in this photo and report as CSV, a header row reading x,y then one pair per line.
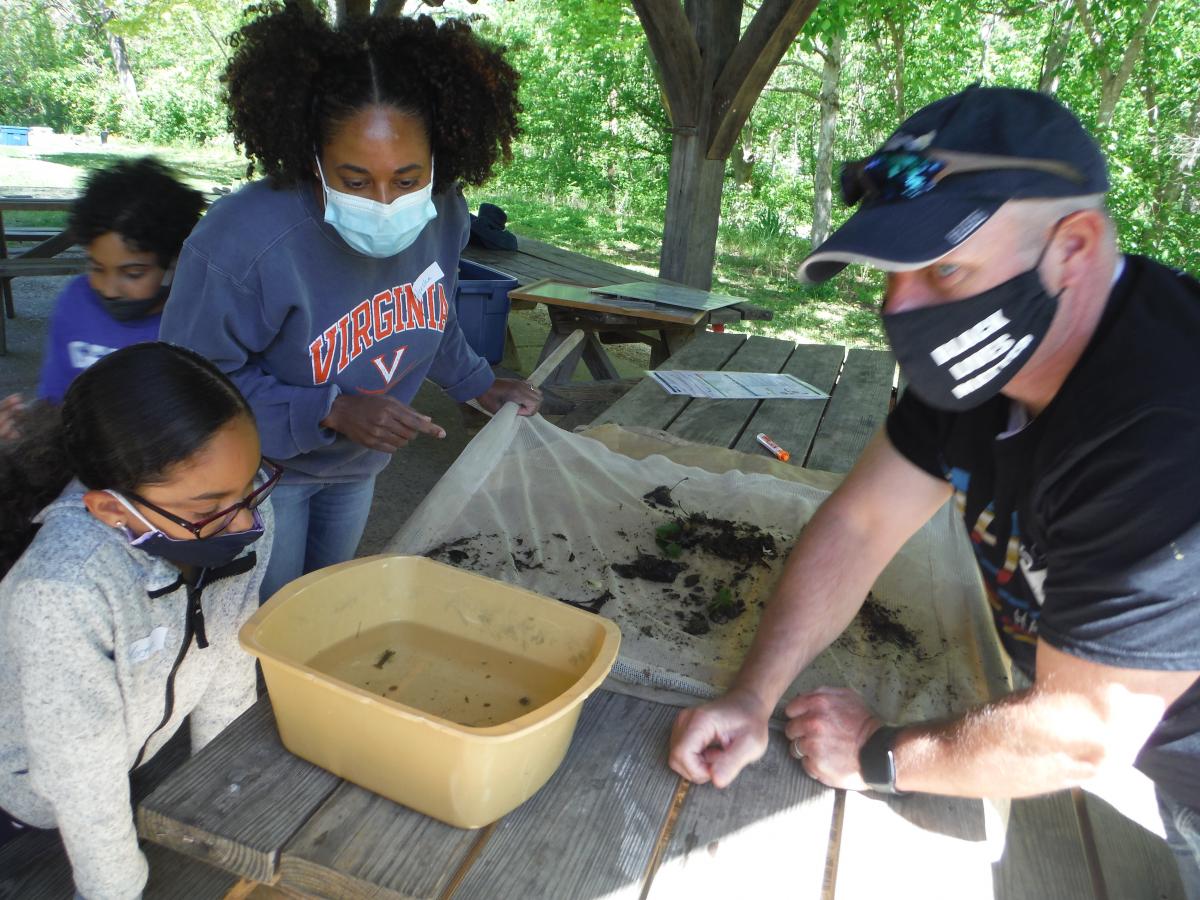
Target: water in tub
x,y
442,674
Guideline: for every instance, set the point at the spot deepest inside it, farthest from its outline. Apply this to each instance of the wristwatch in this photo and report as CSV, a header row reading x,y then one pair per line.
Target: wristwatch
x,y
877,761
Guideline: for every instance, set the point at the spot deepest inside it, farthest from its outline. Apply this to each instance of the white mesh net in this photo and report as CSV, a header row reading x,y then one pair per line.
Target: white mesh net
x,y
552,511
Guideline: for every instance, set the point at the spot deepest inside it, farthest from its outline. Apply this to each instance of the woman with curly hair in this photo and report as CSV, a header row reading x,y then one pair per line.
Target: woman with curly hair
x,y
132,217
325,290
133,538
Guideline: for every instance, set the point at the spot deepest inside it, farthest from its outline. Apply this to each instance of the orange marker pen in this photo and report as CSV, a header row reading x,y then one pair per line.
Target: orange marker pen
x,y
779,453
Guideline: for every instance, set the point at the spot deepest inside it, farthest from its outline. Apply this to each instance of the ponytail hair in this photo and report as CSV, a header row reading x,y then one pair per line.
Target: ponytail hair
x,y
124,423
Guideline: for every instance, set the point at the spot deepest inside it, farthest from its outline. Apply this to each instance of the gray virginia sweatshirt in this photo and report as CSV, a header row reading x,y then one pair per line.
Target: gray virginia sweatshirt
x,y
90,634
274,297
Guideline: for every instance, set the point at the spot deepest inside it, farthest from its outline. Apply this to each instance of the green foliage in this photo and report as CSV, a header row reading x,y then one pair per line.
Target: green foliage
x,y
590,172
57,67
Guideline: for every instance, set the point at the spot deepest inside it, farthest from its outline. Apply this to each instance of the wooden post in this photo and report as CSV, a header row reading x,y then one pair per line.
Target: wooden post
x,y
711,79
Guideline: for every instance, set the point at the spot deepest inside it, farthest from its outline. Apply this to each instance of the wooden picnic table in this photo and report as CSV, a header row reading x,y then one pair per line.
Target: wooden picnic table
x,y
603,322
614,821
42,258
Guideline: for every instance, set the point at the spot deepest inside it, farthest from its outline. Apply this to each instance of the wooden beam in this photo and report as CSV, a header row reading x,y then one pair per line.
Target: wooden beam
x,y
756,56
674,47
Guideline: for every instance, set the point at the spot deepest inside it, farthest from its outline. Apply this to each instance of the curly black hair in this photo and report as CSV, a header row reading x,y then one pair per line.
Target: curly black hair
x,y
140,200
293,79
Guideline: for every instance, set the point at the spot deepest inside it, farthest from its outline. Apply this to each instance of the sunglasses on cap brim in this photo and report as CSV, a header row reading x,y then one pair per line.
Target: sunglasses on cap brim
x,y
891,175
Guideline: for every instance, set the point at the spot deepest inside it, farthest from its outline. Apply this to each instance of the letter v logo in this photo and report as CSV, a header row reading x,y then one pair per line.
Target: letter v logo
x,y
389,372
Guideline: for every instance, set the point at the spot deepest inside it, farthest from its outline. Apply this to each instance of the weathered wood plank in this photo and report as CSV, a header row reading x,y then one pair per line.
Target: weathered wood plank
x,y
1043,852
720,422
523,268
737,842
858,407
237,802
1134,863
936,848
670,37
35,867
20,267
603,272
793,423
359,844
591,830
649,405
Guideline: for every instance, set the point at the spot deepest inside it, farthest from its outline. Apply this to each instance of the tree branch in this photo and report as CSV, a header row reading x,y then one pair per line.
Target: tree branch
x,y
674,48
755,57
1089,27
799,64
803,92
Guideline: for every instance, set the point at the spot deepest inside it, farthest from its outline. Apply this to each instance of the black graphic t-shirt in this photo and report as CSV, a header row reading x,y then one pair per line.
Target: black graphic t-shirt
x,y
1085,521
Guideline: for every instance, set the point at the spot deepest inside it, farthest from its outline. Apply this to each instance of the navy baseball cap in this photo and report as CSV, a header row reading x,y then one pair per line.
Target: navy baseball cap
x,y
1001,144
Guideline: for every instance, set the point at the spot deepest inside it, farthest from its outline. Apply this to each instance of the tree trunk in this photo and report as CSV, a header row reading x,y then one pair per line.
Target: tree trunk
x,y
1189,154
741,160
896,30
831,74
985,55
1112,81
695,182
120,57
351,9
1057,41
711,74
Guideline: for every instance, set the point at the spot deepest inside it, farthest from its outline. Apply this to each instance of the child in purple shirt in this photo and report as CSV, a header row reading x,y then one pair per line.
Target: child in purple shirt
x,y
132,218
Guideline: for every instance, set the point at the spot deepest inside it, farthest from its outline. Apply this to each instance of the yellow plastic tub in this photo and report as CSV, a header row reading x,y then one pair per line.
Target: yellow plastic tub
x,y
449,692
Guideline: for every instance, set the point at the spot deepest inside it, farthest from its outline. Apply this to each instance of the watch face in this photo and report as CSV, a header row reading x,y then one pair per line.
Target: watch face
x,y
876,762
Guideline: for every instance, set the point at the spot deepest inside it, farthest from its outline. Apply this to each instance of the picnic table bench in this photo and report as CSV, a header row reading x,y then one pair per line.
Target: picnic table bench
x,y
614,821
604,322
41,259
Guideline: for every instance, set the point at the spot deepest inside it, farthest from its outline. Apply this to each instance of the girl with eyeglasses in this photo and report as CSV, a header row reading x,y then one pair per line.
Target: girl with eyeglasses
x,y
326,290
134,535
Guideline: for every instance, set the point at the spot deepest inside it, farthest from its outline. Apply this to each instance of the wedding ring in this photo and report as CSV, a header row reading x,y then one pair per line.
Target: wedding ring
x,y
794,749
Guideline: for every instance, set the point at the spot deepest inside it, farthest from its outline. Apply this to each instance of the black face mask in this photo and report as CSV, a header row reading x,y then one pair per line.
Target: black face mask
x,y
128,310
123,310
959,355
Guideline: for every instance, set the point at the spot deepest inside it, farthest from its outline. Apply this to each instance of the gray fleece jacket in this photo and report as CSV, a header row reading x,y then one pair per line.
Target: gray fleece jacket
x,y
95,638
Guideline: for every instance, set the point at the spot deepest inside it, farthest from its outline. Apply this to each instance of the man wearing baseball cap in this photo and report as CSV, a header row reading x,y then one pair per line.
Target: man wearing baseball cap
x,y
1054,387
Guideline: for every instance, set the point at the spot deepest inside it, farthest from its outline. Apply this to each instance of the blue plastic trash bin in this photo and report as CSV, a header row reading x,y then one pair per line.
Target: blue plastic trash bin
x,y
14,136
481,302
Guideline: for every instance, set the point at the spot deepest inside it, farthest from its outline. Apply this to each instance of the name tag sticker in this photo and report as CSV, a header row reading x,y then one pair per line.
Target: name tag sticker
x,y
142,650
427,279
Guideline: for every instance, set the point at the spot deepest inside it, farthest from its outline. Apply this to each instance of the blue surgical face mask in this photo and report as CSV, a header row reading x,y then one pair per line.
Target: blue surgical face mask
x,y
203,553
378,229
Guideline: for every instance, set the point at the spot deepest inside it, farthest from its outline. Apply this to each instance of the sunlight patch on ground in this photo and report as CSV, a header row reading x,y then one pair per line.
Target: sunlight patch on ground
x,y
18,169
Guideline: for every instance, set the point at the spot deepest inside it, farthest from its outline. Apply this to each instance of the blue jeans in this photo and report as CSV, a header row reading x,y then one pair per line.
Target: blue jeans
x,y
316,525
1182,824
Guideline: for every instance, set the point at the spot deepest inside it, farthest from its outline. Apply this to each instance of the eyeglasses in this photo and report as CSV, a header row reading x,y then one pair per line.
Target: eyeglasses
x,y
891,175
219,521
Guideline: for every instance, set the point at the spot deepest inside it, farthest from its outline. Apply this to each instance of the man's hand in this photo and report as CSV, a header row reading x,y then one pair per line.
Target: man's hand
x,y
827,728
714,742
509,390
378,422
10,414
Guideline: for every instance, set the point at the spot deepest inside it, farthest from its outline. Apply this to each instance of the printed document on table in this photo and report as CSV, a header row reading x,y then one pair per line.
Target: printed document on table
x,y
736,385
